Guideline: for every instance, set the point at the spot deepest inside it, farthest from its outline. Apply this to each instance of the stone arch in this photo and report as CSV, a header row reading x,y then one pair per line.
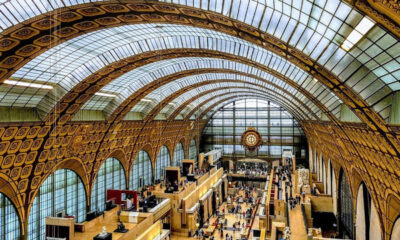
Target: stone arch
x,y
181,141
395,233
196,144
174,149
392,215
115,154
74,164
159,164
70,165
120,154
114,157
169,145
131,170
148,148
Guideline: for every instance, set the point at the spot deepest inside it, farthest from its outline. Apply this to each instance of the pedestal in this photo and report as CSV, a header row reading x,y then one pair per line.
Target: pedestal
x,y
108,236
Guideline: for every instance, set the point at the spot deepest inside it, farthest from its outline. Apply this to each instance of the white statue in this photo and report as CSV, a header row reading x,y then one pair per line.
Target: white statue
x,y
303,180
104,232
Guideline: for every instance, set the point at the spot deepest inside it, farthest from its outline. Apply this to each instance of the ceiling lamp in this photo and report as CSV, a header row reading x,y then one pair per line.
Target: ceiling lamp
x,y
104,94
28,84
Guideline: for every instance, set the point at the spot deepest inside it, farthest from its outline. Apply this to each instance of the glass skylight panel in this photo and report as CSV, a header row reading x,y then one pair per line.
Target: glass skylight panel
x,y
270,15
296,10
360,30
162,65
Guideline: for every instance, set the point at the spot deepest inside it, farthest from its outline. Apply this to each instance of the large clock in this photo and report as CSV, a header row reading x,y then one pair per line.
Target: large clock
x,y
251,139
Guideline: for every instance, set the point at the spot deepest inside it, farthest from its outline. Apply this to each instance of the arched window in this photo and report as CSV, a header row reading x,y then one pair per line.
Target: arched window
x,y
179,155
346,207
141,172
111,176
163,160
62,191
278,128
367,219
9,222
193,150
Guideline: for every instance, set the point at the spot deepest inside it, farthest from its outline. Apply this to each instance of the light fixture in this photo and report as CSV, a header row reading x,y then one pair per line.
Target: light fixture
x,y
358,32
171,103
105,94
27,84
145,100
315,80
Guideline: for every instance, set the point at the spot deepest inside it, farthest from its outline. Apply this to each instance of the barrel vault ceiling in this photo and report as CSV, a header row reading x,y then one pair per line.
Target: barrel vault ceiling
x,y
157,60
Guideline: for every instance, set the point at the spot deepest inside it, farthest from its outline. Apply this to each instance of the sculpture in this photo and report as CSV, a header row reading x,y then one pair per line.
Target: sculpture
x,y
303,183
286,233
104,232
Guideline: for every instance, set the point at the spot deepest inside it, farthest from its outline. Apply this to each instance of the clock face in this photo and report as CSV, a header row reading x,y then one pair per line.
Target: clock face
x,y
251,139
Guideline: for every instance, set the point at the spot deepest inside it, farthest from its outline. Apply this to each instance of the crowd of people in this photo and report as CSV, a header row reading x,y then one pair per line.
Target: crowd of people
x,y
242,207
255,170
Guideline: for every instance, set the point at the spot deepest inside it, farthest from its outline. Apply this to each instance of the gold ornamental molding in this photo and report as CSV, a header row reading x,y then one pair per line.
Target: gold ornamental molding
x,y
385,12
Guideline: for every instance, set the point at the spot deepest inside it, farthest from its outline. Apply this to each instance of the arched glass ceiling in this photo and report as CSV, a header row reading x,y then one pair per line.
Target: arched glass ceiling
x,y
211,98
230,88
163,92
151,72
311,27
207,104
229,99
343,64
71,62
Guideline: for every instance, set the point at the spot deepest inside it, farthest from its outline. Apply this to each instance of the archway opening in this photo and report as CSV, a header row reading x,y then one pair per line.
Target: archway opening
x,y
62,193
179,155
163,160
9,222
111,175
141,172
345,207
